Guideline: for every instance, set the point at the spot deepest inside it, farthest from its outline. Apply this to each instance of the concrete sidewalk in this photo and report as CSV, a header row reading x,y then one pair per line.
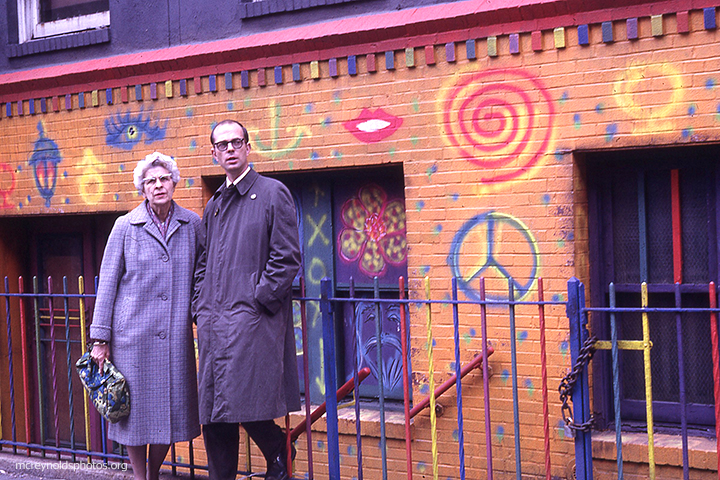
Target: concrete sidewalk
x,y
36,467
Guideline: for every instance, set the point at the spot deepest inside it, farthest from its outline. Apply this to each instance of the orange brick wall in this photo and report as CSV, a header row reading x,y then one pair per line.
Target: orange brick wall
x,y
653,91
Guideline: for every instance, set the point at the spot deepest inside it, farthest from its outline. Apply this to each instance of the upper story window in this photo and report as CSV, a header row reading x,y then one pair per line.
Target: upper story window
x,y
46,18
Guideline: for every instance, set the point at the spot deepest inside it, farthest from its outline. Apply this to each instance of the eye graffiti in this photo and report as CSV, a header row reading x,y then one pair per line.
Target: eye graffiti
x,y
127,130
370,127
44,161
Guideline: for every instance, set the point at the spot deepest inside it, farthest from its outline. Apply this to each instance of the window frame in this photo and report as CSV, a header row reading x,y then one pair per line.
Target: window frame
x,y
31,28
596,167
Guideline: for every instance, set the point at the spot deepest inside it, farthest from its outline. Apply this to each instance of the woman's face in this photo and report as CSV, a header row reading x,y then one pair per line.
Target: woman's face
x,y
158,187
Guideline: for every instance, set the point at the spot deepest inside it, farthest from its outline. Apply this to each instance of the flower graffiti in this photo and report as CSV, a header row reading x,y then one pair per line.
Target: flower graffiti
x,y
373,231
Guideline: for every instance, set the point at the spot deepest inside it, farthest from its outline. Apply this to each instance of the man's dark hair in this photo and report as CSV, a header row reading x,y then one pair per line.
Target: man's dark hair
x,y
246,137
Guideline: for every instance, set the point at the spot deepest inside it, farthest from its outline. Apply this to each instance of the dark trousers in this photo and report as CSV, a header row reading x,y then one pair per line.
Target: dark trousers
x,y
222,443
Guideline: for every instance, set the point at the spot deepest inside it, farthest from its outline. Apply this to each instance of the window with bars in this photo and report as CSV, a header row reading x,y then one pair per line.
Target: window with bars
x,y
652,219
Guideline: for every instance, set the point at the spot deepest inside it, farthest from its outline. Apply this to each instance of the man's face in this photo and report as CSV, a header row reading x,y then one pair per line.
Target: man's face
x,y
233,160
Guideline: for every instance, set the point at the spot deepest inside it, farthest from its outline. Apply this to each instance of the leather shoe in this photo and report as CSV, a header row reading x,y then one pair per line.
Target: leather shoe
x,y
278,468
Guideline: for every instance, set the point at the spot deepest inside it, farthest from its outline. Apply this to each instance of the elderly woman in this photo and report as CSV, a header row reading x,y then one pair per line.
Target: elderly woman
x,y
142,317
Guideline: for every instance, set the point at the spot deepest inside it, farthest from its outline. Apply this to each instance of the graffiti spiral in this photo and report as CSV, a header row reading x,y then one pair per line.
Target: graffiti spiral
x,y
500,120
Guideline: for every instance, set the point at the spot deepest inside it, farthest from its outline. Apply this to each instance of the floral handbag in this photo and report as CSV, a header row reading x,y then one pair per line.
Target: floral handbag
x,y
108,389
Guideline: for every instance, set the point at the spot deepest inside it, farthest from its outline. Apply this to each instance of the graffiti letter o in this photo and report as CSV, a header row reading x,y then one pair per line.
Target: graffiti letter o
x,y
316,264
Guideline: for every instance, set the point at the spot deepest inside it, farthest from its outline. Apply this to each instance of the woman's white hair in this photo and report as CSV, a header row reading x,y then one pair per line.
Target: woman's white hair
x,y
155,159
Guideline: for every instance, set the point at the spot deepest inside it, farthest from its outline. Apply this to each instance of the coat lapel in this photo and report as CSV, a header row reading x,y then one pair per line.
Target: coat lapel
x,y
140,216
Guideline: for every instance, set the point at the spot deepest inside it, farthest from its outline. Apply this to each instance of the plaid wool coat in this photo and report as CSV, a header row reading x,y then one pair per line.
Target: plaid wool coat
x,y
143,310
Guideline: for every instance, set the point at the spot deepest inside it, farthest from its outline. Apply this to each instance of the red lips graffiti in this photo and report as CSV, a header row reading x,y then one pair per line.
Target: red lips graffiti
x,y
370,127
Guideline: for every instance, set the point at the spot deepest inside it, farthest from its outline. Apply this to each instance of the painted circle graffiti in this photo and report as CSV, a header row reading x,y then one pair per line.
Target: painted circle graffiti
x,y
499,248
500,120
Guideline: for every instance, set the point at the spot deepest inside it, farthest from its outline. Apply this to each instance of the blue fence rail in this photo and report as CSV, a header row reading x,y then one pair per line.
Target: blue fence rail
x,y
47,416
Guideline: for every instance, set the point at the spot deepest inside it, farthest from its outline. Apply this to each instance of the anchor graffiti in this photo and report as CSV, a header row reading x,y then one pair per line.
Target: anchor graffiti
x,y
273,150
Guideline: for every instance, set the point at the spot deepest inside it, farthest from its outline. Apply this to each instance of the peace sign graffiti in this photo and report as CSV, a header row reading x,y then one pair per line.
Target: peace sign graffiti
x,y
498,247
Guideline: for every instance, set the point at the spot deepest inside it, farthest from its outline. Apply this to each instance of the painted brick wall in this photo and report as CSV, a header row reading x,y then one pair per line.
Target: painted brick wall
x,y
490,138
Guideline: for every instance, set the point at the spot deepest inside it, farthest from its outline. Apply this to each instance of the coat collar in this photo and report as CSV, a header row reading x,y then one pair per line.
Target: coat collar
x,y
140,216
243,185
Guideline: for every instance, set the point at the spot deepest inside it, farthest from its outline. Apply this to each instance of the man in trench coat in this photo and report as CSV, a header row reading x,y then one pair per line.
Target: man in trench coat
x,y
243,307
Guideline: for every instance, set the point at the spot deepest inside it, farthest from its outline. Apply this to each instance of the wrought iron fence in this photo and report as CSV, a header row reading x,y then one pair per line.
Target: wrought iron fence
x,y
48,417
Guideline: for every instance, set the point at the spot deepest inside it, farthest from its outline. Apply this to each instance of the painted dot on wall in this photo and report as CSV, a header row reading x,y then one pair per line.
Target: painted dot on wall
x,y
419,205
560,155
67,201
560,243
337,154
414,140
122,167
19,167
392,151
309,108
564,346
500,433
687,132
431,170
415,104
576,121
710,83
610,132
600,108
456,435
320,445
291,165
193,145
351,449
558,297
247,102
325,122
692,110
522,336
20,205
336,97
117,197
64,174
545,199
214,161
437,229
467,338
230,106
505,376
29,198
314,155
472,332
455,197
561,428
529,386
189,112
424,389
189,182
424,270
564,98
421,467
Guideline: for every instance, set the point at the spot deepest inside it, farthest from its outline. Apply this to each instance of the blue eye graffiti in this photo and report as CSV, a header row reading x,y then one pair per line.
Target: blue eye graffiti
x,y
127,130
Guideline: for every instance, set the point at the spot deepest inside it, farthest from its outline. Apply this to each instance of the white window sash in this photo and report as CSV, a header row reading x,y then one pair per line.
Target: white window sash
x,y
30,27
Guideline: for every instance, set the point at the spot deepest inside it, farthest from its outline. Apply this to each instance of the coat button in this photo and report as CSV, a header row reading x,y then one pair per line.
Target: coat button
x,y
165,258
161,334
164,297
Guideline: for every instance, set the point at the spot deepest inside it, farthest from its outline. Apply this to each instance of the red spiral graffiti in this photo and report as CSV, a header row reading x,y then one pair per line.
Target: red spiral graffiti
x,y
501,120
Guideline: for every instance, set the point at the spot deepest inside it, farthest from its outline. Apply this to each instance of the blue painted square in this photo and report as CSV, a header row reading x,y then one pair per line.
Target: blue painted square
x,y
470,49
8,109
583,35
332,64
709,15
81,100
352,65
68,102
607,32
228,81
245,79
390,60
212,80
31,106
278,75
183,87
108,96
43,105
138,93
296,72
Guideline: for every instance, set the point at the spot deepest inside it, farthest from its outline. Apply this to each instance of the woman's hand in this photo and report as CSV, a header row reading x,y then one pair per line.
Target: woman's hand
x,y
100,353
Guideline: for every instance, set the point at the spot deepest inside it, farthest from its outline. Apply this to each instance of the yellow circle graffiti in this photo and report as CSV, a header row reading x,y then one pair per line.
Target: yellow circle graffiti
x,y
316,264
637,89
92,186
